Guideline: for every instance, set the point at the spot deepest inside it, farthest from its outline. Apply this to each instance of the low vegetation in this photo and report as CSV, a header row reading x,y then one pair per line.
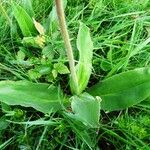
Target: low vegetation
x,y
75,75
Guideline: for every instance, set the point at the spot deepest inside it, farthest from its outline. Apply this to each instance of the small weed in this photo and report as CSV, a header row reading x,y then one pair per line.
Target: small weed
x,y
77,79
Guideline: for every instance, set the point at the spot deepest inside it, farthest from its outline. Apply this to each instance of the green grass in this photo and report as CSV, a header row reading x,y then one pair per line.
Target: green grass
x,y
120,30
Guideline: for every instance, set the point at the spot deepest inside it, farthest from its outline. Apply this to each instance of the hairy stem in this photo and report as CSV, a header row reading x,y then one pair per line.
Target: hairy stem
x,y
65,35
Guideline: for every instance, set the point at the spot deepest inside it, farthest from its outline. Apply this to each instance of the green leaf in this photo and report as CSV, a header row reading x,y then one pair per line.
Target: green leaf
x,y
48,52
20,55
86,109
24,20
3,123
54,73
40,96
44,69
6,143
82,131
27,5
5,107
123,90
105,65
52,21
29,41
84,66
37,122
61,68
145,103
37,42
34,74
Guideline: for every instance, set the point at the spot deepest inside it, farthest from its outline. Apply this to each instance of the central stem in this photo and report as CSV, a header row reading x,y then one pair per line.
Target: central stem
x,y
66,38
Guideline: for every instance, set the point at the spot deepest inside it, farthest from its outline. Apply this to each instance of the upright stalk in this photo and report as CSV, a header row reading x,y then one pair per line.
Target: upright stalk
x,y
66,38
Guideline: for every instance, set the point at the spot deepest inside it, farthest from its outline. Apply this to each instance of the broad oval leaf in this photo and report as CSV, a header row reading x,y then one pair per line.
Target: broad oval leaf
x,y
61,68
86,109
40,96
24,20
123,90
